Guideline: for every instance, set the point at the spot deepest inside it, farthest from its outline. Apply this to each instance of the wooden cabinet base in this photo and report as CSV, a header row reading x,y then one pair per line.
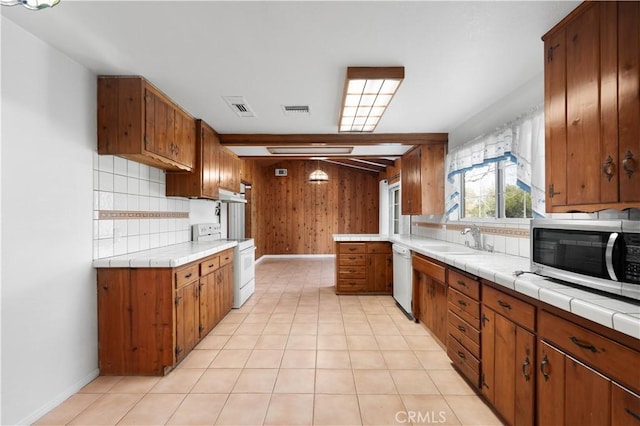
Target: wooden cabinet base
x,y
364,268
149,319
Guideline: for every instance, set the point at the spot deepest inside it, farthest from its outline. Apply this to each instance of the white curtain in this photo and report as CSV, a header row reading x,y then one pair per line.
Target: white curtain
x,y
521,141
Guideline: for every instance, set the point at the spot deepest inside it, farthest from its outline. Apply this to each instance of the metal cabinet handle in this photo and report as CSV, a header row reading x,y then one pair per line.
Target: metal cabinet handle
x,y
462,328
543,368
632,413
461,355
525,364
629,164
504,304
188,275
461,283
608,168
583,345
462,303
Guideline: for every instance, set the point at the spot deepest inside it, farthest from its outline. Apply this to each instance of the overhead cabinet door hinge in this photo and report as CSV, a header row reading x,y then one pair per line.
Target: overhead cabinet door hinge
x,y
177,300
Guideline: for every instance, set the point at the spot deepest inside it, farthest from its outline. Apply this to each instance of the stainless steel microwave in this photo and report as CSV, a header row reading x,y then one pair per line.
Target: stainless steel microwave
x,y
598,254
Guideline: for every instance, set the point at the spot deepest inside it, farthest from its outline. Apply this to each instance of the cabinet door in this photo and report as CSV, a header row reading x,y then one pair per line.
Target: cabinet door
x,y
187,319
210,162
625,406
184,140
207,303
629,100
159,125
507,367
570,392
441,310
379,273
410,187
584,157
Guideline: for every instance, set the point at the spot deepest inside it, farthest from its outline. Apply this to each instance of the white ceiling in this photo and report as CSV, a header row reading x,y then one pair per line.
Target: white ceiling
x,y
459,57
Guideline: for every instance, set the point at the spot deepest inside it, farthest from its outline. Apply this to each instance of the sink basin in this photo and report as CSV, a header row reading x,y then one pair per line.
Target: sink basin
x,y
449,249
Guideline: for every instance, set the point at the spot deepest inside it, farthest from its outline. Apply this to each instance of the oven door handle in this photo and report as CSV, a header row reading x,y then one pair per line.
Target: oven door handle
x,y
608,255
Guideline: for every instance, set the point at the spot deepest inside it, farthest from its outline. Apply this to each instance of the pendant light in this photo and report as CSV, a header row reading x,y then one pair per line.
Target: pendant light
x,y
318,176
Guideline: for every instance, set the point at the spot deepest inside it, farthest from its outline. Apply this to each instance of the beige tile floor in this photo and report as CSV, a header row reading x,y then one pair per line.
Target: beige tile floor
x,y
294,354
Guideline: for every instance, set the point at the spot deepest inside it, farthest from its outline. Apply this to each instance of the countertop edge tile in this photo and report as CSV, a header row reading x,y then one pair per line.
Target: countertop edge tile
x,y
595,313
627,324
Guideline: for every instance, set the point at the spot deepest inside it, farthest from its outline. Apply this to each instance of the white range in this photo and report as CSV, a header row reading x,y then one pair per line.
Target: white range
x,y
244,264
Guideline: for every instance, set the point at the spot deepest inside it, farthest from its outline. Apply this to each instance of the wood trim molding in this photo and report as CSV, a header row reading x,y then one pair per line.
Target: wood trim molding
x,y
333,139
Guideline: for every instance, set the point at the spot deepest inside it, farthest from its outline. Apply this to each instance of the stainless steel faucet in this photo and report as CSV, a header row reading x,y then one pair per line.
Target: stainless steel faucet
x,y
475,233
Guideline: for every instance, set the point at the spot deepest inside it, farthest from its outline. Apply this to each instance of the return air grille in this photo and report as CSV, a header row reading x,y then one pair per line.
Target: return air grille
x,y
296,109
239,106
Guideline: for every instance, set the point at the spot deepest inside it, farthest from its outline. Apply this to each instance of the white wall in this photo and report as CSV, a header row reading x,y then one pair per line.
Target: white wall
x,y
49,328
518,102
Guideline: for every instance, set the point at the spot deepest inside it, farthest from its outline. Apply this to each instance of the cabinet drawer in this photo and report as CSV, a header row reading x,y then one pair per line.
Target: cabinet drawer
x,y
608,357
378,247
352,286
351,259
353,248
186,275
226,257
464,333
466,363
516,310
351,272
625,406
465,307
464,284
425,265
209,265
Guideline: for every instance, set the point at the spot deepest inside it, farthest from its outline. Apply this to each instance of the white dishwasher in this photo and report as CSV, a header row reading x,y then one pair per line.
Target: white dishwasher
x,y
402,278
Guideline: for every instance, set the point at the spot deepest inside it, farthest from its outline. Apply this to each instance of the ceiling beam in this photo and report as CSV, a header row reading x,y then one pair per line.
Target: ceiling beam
x,y
377,161
374,158
351,166
359,165
333,139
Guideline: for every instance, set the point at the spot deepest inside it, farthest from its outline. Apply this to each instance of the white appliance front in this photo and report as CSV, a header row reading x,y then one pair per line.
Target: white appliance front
x,y
402,278
244,266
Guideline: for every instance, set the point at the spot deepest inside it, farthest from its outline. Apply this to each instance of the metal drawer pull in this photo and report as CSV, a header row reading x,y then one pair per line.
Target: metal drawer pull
x,y
543,368
631,413
462,303
188,275
526,363
584,345
211,266
461,328
504,304
461,355
352,248
462,283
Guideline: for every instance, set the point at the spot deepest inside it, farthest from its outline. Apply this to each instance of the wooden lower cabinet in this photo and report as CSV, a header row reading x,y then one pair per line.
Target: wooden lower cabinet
x,y
429,302
150,318
578,377
364,267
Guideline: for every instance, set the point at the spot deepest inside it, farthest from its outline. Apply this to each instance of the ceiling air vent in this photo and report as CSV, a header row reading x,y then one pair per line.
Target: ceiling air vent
x,y
239,106
296,109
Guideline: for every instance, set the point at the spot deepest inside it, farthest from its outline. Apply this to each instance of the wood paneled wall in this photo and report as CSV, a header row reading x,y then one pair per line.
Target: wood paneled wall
x,y
293,216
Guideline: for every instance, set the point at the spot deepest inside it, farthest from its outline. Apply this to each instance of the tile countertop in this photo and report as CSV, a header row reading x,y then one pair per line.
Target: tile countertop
x,y
165,257
498,267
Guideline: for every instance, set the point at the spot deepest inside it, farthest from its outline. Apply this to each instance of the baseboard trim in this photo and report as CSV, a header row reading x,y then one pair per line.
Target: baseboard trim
x,y
296,256
71,390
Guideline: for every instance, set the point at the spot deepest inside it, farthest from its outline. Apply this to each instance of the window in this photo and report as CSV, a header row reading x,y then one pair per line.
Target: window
x,y
395,209
492,191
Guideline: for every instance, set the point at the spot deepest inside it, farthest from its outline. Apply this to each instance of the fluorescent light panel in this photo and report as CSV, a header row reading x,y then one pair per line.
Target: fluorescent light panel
x,y
368,92
310,150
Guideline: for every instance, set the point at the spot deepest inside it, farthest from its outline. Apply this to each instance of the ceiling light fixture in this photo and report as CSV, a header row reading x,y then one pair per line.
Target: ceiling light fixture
x,y
30,4
310,150
318,176
367,94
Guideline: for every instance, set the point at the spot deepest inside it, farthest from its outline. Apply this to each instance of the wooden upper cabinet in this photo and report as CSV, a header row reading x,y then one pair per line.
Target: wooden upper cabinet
x,y
203,181
592,108
138,122
229,170
422,178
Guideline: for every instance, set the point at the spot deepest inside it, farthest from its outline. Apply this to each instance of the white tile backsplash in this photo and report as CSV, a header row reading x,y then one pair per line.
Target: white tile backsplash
x,y
125,185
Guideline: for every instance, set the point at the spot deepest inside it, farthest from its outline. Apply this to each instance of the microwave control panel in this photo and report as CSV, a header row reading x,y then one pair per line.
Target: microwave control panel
x,y
632,258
